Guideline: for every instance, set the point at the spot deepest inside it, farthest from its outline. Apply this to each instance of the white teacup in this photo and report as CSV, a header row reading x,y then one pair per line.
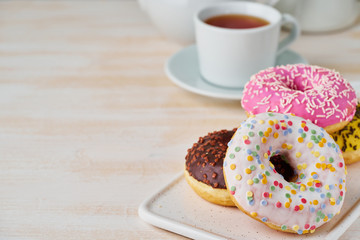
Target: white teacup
x,y
174,18
228,57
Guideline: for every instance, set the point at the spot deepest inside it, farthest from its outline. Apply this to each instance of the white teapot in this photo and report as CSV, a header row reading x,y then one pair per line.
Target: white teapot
x,y
321,15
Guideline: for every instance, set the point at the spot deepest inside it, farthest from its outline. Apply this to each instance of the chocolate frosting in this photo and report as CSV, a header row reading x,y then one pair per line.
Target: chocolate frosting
x,y
204,161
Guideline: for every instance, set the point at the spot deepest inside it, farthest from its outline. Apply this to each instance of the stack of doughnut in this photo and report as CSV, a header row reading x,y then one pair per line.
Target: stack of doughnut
x,y
281,166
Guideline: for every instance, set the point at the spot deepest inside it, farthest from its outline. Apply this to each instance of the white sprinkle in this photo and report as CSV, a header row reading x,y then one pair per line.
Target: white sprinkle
x,y
288,109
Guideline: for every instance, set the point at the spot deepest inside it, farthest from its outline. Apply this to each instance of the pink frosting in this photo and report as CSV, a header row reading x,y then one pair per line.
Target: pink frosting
x,y
314,93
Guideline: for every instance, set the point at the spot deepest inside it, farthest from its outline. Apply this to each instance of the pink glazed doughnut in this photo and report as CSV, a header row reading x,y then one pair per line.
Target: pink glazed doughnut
x,y
314,93
314,192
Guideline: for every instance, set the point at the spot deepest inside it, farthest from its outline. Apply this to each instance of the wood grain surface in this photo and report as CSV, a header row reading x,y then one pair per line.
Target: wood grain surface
x,y
89,123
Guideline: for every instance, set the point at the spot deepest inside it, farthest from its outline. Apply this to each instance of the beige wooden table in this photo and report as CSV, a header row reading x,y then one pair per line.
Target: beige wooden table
x,y
89,123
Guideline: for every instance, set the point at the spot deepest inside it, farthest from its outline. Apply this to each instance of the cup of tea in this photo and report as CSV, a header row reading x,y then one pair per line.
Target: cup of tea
x,y
237,39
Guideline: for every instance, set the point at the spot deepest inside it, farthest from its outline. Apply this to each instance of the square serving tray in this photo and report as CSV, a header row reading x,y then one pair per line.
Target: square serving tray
x,y
178,209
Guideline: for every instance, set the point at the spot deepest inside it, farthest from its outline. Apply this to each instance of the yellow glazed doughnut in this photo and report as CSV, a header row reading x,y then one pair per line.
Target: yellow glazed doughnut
x,y
204,167
348,139
300,203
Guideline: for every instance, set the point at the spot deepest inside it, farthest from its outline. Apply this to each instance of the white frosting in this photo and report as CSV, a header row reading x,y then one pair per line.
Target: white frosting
x,y
318,193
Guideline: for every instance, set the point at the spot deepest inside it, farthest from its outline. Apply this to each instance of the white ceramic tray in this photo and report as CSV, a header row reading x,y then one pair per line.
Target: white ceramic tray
x,y
178,209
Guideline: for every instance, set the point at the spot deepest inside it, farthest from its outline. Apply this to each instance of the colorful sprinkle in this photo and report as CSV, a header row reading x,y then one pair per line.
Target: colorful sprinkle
x,y
264,202
296,227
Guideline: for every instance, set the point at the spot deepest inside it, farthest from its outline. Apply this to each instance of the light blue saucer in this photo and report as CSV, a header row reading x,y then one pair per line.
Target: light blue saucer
x,y
183,69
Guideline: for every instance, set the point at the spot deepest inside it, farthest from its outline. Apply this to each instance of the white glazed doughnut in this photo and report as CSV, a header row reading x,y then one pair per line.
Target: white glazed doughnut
x,y
260,191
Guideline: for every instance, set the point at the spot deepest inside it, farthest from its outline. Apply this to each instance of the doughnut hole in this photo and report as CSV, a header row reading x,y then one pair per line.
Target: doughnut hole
x,y
283,167
298,84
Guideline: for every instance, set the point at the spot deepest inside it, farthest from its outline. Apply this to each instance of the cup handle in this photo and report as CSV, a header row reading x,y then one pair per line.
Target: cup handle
x,y
293,35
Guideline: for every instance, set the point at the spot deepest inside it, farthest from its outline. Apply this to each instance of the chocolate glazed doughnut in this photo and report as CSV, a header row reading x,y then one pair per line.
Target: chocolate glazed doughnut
x,y
204,167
